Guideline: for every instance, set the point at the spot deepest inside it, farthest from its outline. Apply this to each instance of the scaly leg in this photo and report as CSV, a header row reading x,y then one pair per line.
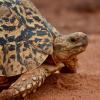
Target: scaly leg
x,y
29,82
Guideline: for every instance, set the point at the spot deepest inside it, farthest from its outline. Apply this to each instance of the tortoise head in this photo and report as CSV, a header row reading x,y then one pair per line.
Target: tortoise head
x,y
66,46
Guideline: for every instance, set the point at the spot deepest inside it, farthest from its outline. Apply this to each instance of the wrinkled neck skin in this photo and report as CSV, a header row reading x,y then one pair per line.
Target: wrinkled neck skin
x,y
61,57
66,59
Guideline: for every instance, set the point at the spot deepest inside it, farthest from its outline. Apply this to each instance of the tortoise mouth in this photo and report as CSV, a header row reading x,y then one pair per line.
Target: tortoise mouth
x,y
81,45
77,50
80,49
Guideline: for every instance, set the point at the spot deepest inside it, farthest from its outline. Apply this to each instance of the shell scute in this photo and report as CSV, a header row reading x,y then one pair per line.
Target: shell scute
x,y
25,41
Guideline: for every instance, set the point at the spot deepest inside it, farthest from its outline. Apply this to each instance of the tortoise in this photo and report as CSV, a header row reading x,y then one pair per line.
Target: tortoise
x,y
31,49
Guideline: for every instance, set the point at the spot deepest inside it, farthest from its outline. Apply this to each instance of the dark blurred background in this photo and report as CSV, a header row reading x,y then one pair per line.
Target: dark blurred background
x,y
72,15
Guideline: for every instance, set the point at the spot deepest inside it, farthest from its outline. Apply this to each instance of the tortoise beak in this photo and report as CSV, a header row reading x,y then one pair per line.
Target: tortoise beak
x,y
84,39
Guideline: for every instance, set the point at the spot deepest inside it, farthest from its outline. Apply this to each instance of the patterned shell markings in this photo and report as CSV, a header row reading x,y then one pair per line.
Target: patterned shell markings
x,y
25,40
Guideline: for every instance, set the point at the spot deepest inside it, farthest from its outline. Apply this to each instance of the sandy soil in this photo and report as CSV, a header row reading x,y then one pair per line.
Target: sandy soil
x,y
85,84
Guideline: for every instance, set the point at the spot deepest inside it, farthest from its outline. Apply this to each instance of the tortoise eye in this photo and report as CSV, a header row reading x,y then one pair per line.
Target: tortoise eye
x,y
73,39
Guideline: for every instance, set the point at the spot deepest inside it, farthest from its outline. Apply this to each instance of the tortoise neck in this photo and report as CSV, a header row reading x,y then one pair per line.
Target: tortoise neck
x,y
55,58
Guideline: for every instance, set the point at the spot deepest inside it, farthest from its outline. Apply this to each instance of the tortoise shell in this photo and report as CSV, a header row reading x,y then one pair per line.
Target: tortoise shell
x,y
26,38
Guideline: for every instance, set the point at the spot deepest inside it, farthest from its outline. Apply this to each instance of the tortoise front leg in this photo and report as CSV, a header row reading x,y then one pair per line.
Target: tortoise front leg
x,y
29,82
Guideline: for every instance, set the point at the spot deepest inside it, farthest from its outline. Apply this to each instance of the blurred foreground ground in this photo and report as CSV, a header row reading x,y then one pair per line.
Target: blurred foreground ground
x,y
85,85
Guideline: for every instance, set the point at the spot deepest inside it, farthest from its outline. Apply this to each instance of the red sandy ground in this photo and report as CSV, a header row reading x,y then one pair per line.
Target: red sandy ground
x,y
85,84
